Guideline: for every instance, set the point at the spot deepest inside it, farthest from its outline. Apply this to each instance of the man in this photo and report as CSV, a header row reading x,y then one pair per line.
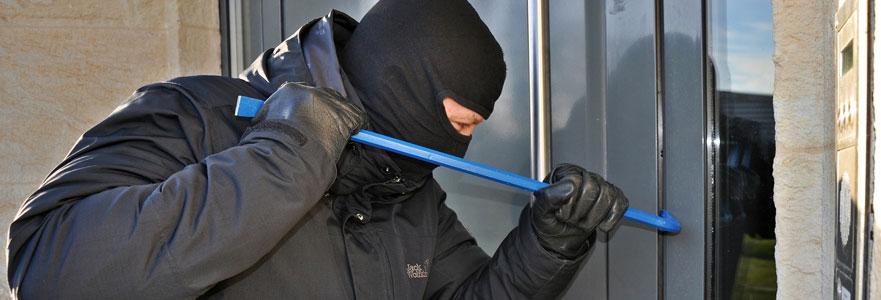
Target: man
x,y
173,197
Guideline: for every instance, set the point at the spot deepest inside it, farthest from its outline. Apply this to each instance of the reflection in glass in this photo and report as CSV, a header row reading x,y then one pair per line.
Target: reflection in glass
x,y
741,49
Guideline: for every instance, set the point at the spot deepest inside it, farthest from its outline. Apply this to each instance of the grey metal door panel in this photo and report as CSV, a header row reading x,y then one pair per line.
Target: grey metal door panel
x,y
261,27
252,31
578,112
684,148
298,12
631,147
267,22
271,23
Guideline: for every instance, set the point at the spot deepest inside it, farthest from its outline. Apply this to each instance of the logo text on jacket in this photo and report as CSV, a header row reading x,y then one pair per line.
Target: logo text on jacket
x,y
417,270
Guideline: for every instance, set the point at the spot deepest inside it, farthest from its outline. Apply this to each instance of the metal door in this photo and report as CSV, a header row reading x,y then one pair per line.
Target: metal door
x,y
628,103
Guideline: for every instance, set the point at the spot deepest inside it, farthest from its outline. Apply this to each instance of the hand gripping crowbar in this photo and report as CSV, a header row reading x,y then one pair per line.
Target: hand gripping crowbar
x,y
248,107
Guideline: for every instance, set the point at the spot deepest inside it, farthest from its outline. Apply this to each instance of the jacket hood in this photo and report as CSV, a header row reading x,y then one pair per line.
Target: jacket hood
x,y
310,56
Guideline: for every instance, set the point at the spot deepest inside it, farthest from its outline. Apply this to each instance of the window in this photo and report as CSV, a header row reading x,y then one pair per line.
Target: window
x,y
741,49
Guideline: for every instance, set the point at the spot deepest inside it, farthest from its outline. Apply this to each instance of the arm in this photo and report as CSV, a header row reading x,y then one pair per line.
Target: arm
x,y
520,268
135,212
539,257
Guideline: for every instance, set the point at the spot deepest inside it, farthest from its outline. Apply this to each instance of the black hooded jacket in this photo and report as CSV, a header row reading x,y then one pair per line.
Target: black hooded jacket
x,y
170,198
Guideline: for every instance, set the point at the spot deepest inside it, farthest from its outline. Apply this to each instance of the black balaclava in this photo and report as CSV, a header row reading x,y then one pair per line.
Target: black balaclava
x,y
406,56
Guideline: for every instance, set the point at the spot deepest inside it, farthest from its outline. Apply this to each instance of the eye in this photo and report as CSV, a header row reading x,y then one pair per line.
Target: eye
x,y
456,125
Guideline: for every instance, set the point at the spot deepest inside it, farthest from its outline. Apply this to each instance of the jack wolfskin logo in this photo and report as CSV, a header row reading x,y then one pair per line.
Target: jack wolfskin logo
x,y
417,271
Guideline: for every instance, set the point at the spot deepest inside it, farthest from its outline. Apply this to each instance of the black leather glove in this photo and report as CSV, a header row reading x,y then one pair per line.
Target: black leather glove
x,y
321,113
566,213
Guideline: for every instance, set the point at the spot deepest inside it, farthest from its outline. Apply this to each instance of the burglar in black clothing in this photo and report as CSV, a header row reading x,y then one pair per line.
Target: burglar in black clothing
x,y
173,197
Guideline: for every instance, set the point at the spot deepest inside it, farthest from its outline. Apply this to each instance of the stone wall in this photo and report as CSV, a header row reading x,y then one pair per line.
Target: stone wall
x,y
804,167
65,65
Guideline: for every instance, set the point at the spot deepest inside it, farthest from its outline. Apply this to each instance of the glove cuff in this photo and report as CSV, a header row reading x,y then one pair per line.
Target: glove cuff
x,y
281,126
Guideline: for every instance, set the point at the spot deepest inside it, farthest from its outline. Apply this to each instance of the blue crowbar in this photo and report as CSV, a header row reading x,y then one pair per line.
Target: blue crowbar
x,y
248,107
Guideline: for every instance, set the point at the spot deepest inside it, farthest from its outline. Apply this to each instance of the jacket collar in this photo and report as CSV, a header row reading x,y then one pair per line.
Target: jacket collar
x,y
369,170
309,55
366,177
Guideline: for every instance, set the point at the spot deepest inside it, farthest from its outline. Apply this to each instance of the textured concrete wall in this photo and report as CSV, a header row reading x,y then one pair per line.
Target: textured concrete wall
x,y
65,65
804,167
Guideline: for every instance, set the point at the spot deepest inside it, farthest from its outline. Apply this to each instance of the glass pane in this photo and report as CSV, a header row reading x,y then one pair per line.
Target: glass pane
x,y
741,49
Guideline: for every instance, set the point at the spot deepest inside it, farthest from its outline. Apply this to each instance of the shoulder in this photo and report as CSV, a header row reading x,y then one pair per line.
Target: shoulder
x,y
192,97
197,108
205,91
213,90
191,92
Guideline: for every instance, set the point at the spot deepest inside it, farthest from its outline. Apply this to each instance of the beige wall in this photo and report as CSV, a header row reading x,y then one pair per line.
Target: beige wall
x,y
804,167
65,65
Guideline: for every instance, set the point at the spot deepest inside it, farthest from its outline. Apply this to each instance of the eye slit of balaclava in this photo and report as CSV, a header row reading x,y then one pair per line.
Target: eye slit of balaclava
x,y
445,120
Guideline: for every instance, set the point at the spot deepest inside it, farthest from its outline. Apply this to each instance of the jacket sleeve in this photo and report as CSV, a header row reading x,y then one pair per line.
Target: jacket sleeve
x,y
136,211
520,269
